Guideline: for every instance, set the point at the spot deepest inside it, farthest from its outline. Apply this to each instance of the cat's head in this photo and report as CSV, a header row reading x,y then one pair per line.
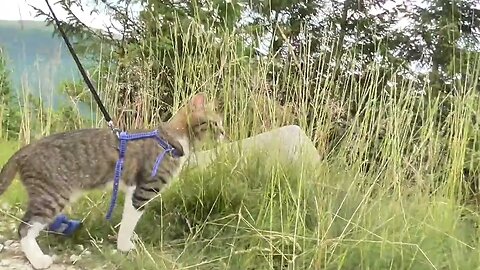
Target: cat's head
x,y
202,121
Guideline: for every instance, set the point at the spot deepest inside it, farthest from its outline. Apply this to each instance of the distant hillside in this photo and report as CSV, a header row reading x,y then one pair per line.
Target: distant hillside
x,y
37,60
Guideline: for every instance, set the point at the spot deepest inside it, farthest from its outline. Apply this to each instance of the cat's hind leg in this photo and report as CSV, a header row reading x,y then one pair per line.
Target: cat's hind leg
x,y
42,208
28,234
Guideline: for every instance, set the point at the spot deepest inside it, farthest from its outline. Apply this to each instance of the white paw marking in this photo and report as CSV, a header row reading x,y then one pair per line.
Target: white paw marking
x,y
41,262
125,245
31,249
130,218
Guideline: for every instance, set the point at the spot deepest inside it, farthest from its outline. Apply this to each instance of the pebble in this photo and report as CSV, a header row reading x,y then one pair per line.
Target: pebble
x,y
74,258
4,262
8,243
5,206
14,264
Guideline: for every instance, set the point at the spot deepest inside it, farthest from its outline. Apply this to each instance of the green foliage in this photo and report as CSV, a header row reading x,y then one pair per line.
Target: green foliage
x,y
76,90
357,33
10,119
443,31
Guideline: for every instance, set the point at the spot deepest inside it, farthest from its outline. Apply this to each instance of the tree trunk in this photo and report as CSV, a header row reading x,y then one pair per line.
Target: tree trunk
x,y
338,51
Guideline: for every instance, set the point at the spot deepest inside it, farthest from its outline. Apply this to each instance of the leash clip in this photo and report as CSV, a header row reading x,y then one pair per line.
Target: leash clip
x,y
113,128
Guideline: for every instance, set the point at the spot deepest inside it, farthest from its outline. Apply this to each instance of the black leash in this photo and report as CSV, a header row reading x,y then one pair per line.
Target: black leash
x,y
84,73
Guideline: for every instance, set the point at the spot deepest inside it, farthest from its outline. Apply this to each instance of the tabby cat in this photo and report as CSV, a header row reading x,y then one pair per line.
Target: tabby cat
x,y
55,170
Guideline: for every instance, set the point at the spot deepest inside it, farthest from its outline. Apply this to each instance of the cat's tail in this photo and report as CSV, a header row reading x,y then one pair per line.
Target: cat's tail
x,y
7,173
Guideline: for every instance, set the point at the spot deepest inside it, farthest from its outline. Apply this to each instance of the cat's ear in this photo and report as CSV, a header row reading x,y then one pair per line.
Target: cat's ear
x,y
198,102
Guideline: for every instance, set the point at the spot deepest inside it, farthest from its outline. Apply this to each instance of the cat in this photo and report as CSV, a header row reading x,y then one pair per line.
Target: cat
x,y
56,169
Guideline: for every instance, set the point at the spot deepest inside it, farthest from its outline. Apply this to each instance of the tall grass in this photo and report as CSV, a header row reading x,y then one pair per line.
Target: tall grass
x,y
389,192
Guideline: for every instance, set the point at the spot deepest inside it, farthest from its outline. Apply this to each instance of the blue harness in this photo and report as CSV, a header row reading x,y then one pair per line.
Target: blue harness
x,y
65,226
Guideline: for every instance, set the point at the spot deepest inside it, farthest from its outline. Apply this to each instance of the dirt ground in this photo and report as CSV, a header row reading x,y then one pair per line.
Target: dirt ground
x,y
12,258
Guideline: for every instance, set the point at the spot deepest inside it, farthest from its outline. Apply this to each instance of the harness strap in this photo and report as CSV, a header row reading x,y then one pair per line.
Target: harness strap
x,y
159,160
124,137
118,173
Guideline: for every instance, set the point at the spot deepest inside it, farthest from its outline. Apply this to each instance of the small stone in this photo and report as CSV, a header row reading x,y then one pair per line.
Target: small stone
x,y
14,245
5,262
74,258
8,243
5,206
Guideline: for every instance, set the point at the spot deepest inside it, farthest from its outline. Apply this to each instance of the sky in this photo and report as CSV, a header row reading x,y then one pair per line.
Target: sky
x,y
20,10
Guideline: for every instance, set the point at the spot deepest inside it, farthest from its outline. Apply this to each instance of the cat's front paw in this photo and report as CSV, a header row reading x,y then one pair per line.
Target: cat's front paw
x,y
125,245
41,262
